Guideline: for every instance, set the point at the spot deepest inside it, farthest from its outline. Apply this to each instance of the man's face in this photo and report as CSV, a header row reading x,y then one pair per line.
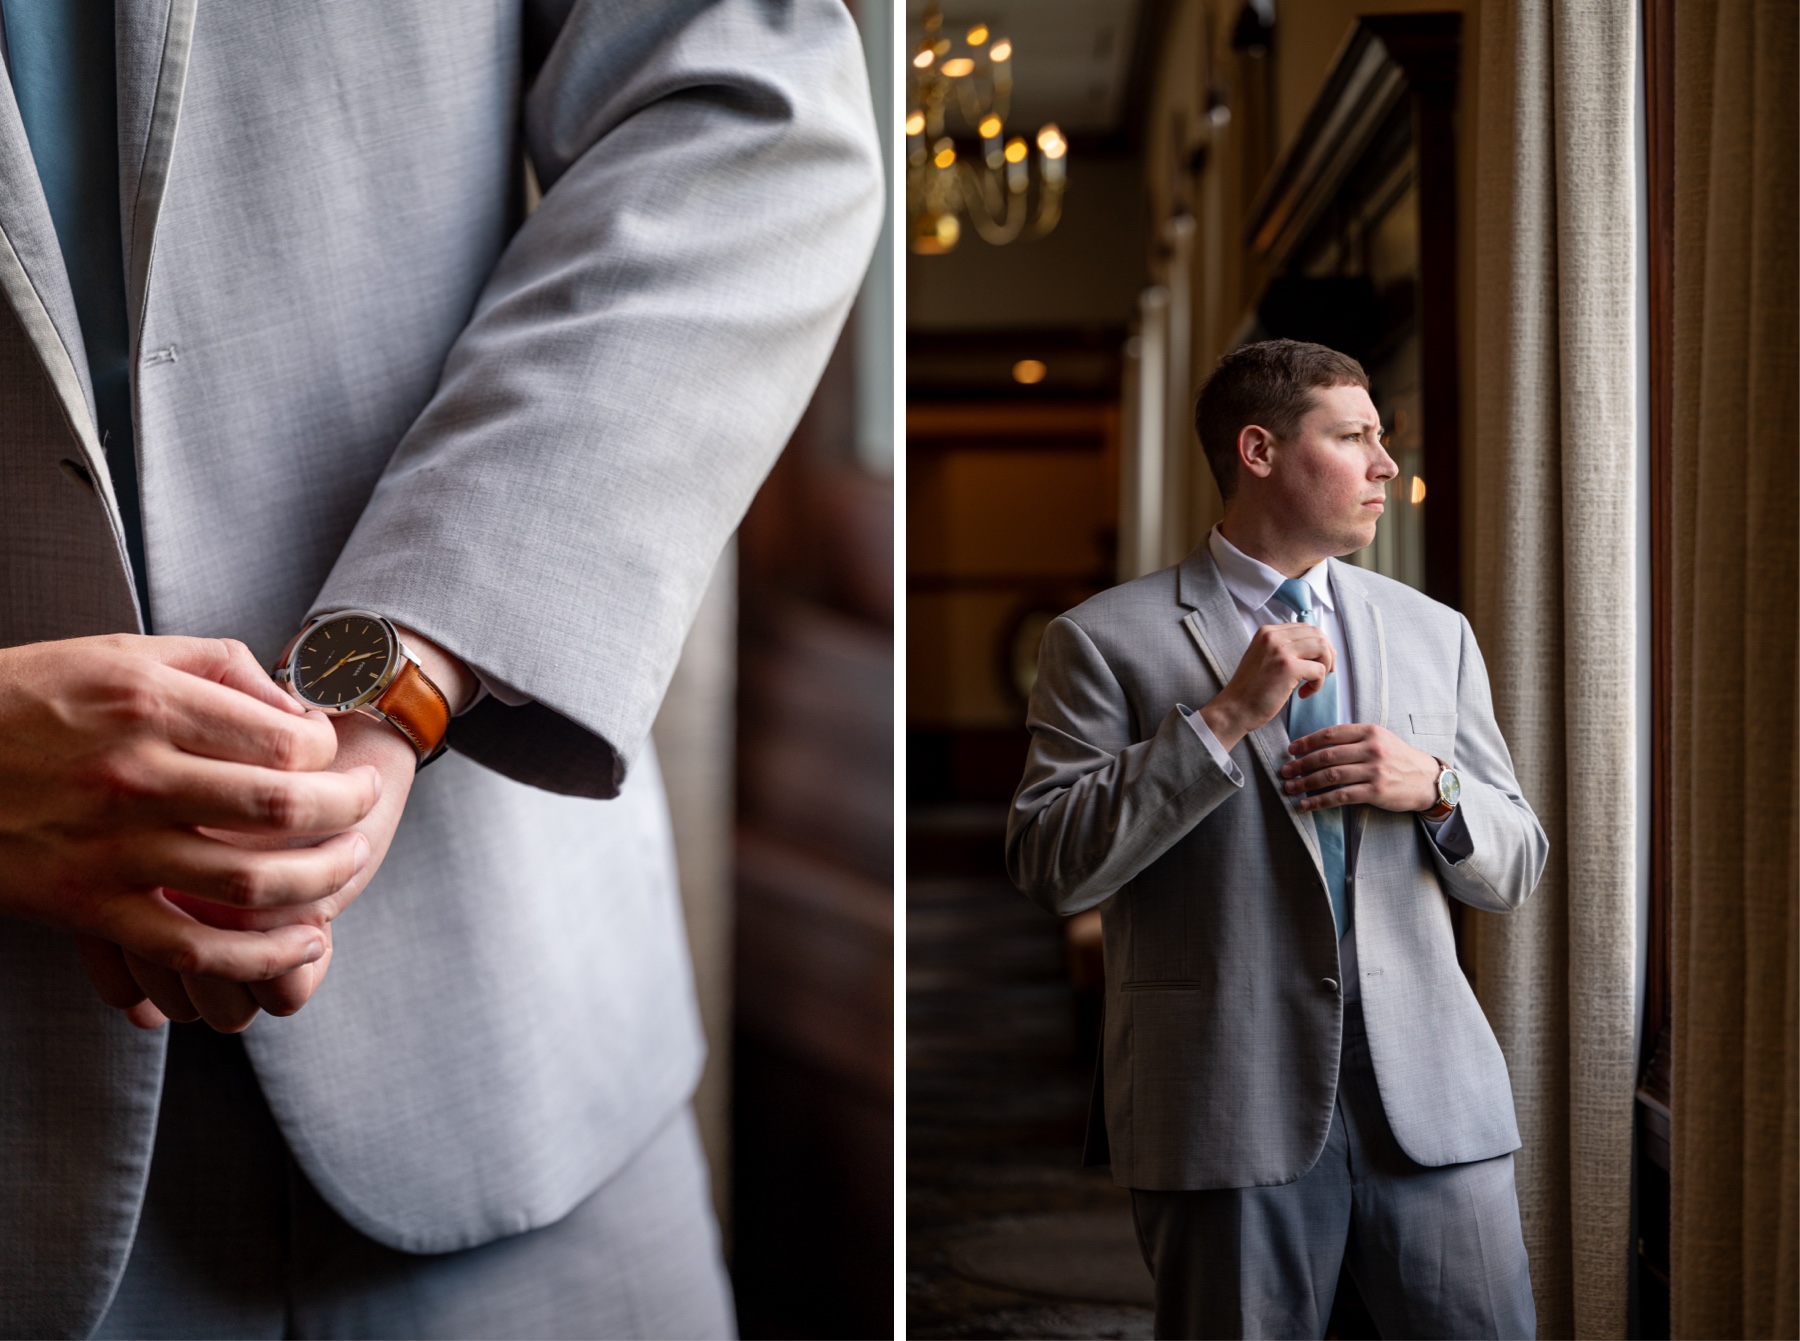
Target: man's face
x,y
1329,480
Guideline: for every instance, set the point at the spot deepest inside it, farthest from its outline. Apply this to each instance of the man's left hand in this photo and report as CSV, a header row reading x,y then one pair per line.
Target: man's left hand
x,y
1365,765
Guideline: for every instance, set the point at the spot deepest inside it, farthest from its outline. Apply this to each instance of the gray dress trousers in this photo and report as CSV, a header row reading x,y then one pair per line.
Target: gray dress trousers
x,y
1436,1252
234,1242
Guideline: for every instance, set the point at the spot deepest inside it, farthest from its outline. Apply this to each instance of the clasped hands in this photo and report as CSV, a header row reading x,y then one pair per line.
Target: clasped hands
x,y
1360,763
192,825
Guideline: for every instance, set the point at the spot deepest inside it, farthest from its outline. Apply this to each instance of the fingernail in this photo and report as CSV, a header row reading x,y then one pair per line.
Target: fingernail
x,y
377,772
315,954
362,852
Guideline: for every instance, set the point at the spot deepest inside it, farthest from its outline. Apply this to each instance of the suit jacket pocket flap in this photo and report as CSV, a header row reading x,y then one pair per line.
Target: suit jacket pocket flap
x,y
1433,723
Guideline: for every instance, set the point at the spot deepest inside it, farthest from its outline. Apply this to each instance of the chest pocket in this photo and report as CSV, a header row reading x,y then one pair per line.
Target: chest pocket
x,y
1432,723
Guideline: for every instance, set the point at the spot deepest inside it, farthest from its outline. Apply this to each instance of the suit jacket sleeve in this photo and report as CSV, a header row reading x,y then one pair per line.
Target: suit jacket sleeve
x,y
1094,807
641,352
1500,853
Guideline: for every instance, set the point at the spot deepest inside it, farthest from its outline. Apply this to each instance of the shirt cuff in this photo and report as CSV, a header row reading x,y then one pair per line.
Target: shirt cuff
x,y
1225,762
487,686
1452,836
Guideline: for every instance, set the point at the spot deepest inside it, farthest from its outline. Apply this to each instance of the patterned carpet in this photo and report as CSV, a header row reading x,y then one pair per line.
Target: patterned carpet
x,y
1007,1236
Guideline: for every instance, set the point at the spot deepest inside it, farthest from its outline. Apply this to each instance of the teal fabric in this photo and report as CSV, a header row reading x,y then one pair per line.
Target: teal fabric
x,y
1305,716
60,55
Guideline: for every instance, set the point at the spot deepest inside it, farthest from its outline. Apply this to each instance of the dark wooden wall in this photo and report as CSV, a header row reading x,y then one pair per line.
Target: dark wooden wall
x,y
813,1058
1012,515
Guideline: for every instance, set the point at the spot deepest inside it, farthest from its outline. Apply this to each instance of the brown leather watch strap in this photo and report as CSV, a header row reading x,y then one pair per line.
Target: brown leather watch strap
x,y
418,708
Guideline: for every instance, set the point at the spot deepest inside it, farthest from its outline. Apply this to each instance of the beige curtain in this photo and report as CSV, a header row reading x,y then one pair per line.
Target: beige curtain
x,y
1733,1247
1554,447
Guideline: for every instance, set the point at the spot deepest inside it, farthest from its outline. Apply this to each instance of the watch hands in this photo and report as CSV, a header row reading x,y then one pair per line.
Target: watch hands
x,y
343,661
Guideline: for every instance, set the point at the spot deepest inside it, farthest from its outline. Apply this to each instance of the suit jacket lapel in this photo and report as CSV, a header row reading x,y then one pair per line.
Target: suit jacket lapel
x,y
1217,629
1366,650
32,273
35,283
155,38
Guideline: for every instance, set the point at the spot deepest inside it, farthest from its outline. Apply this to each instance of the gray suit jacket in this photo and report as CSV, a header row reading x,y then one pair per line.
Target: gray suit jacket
x,y
360,380
1221,1042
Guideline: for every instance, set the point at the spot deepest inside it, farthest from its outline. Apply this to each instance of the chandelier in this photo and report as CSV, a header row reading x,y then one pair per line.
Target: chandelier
x,y
990,187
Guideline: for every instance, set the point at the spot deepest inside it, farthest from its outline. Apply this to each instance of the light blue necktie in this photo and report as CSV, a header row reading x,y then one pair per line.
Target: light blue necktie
x,y
1305,716
66,84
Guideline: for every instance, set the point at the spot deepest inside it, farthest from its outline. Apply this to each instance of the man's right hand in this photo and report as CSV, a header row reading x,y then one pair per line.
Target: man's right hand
x,y
116,750
1280,658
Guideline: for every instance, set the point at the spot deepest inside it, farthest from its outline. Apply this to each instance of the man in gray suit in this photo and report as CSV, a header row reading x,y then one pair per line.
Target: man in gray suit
x,y
287,377
1295,1075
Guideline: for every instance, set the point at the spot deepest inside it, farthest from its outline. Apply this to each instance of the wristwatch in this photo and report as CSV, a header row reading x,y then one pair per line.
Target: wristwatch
x,y
354,661
1449,792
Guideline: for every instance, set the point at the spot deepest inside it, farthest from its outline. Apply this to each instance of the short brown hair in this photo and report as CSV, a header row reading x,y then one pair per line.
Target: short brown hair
x,y
1269,384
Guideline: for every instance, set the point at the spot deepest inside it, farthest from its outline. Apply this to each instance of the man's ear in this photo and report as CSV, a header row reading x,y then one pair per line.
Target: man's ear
x,y
1256,450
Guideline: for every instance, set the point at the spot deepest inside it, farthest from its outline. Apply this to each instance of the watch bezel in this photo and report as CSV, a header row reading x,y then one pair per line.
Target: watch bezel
x,y
364,702
1449,787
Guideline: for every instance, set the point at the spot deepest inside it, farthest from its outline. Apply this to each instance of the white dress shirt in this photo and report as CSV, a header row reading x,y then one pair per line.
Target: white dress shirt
x,y
1253,585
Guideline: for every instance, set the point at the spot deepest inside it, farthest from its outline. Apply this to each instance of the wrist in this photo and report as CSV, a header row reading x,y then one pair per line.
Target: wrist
x,y
449,673
367,740
1224,723
361,662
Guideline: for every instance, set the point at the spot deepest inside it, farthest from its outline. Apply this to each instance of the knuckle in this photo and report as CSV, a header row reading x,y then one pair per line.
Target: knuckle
x,y
272,749
244,886
118,782
188,960
218,652
135,699
281,806
286,748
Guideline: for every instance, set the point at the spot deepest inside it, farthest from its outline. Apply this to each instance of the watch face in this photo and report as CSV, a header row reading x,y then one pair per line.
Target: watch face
x,y
1450,788
342,662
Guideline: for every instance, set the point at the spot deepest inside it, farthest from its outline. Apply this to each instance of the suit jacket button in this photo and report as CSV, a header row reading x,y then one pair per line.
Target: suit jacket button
x,y
1329,984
